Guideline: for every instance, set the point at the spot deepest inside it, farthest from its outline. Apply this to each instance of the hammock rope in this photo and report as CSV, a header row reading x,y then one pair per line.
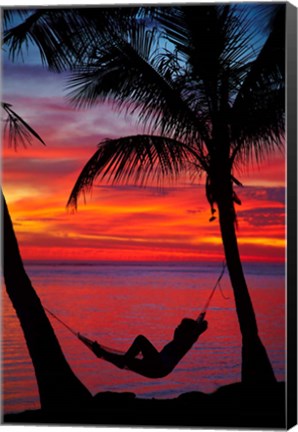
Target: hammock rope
x,y
90,343
217,284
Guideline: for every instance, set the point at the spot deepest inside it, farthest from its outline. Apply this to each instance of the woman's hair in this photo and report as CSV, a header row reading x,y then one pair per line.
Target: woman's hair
x,y
188,331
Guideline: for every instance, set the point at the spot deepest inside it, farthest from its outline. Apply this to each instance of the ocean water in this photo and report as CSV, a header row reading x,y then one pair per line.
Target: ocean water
x,y
114,302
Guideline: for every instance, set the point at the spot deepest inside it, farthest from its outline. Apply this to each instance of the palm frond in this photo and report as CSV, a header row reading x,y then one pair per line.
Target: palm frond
x,y
258,112
261,127
217,42
268,68
38,30
16,129
63,36
131,72
10,14
139,158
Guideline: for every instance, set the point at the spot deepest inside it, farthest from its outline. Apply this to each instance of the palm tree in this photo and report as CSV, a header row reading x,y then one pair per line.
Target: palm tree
x,y
210,93
60,390
215,104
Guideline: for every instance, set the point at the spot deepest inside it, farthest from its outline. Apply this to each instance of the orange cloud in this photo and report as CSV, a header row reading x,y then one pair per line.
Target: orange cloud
x,y
133,223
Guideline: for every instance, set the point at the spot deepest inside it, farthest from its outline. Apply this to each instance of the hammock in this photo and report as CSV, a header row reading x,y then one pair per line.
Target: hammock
x,y
90,343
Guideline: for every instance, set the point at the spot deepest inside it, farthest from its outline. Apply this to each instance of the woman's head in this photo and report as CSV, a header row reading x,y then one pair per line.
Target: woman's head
x,y
188,331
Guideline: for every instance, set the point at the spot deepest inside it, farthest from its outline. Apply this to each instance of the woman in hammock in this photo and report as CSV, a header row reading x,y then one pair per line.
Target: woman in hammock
x,y
155,364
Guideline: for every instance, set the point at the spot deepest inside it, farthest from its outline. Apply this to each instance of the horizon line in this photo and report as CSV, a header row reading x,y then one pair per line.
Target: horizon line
x,y
155,261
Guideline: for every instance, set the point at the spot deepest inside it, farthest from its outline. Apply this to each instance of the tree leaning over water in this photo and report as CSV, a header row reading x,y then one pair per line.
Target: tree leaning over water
x,y
59,388
209,90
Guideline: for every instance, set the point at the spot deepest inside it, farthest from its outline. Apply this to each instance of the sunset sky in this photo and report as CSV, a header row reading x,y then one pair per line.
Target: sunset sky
x,y
118,222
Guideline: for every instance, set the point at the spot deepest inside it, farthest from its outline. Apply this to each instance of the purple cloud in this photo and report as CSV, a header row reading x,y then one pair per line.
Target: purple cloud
x,y
263,216
274,194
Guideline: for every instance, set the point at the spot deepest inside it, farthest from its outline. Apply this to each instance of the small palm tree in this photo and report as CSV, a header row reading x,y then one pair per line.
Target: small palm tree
x,y
210,93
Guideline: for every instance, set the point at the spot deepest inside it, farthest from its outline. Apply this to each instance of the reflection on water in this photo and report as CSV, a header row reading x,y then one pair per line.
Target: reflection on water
x,y
112,303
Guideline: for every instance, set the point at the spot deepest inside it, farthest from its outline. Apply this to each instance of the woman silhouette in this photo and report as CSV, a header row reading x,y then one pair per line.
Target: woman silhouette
x,y
153,363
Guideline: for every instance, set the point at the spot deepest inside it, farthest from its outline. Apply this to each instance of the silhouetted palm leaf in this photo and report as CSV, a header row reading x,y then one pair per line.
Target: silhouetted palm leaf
x,y
64,37
258,112
139,158
9,15
212,40
38,29
222,49
17,129
260,126
129,71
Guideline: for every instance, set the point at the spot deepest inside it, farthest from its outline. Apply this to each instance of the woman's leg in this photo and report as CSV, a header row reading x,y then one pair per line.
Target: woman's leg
x,y
142,345
150,365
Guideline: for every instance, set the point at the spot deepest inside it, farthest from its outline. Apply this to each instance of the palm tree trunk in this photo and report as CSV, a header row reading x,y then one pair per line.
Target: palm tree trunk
x,y
59,388
256,366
